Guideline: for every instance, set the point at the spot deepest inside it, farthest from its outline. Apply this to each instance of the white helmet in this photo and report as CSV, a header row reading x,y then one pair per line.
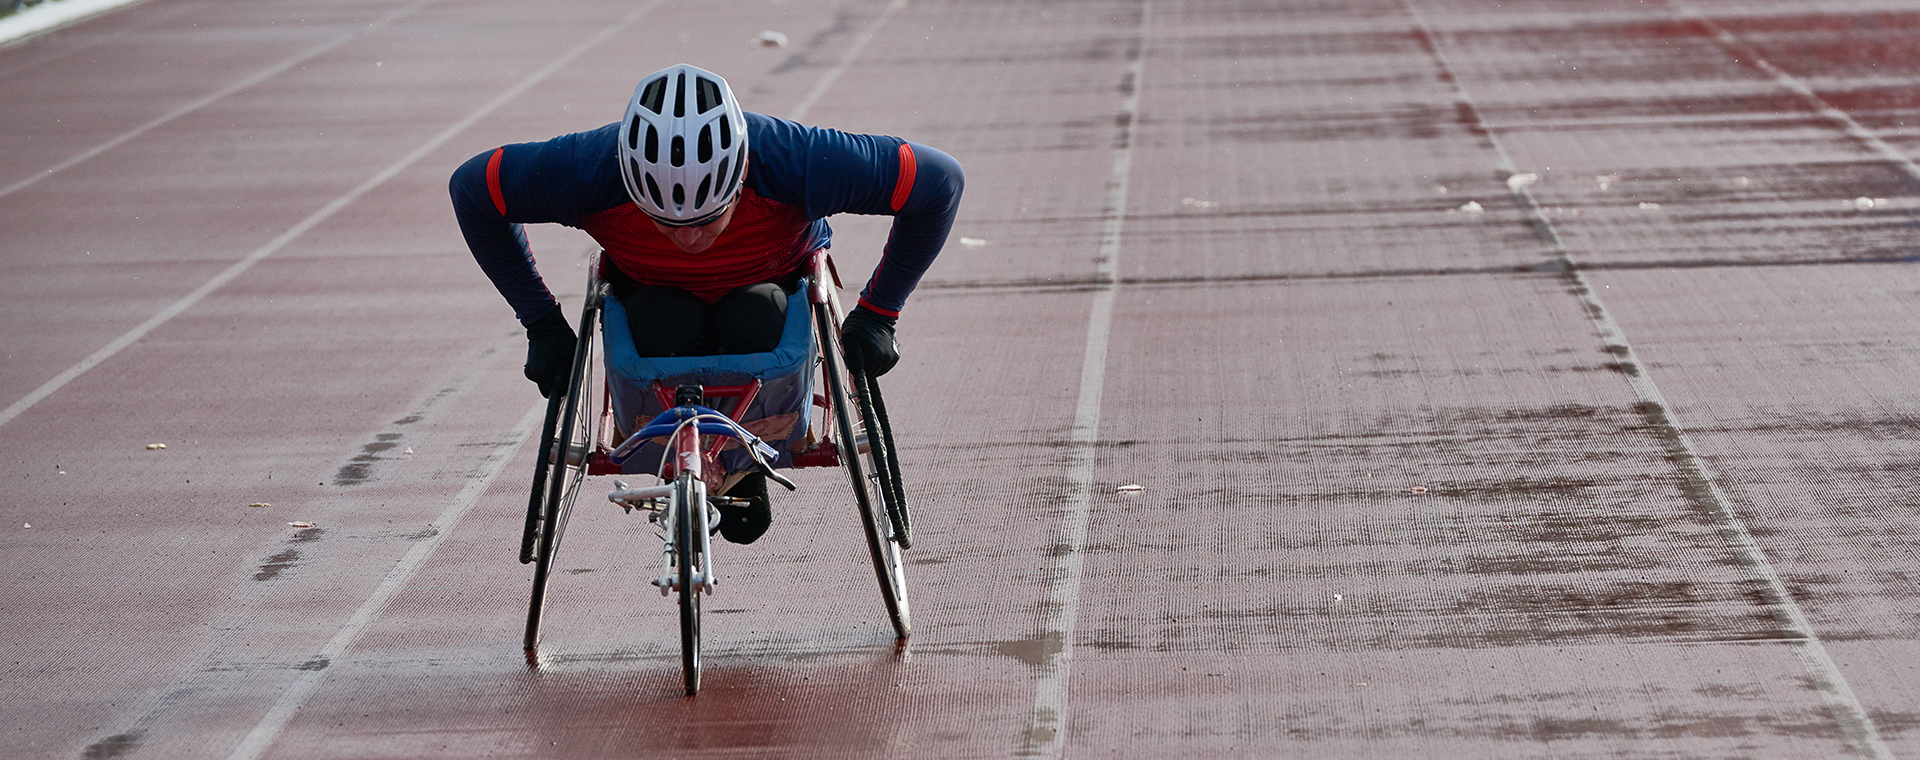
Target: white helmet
x,y
683,146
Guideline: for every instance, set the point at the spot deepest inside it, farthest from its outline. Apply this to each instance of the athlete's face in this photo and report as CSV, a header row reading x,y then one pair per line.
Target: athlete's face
x,y
697,239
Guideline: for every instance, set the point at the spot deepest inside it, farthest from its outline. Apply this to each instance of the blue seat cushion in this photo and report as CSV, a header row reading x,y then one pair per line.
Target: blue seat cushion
x,y
796,346
779,414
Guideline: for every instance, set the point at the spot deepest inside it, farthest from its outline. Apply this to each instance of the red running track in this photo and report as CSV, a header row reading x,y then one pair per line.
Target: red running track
x,y
1504,379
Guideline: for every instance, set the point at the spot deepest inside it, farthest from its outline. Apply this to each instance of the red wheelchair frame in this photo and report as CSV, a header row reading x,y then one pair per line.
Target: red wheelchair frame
x,y
573,448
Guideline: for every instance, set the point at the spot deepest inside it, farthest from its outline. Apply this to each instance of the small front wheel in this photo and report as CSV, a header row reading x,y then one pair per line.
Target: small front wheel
x,y
689,535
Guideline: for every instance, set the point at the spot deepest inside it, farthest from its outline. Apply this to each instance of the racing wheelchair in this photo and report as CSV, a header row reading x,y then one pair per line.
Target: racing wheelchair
x,y
700,424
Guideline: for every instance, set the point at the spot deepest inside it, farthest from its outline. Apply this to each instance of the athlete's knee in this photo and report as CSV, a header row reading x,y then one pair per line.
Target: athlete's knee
x,y
749,320
666,321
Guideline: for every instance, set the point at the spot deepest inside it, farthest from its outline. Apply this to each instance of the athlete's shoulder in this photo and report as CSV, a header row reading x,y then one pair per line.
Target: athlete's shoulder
x,y
585,153
777,157
775,131
784,137
797,163
582,169
559,179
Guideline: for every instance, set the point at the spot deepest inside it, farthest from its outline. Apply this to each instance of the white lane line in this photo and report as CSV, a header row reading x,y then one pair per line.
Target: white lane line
x,y
1047,726
833,75
1745,53
53,15
333,207
303,686
251,80
1849,715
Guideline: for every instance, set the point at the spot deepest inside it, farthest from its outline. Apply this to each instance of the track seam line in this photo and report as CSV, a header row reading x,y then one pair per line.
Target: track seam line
x,y
204,101
313,220
833,75
1850,716
1047,725
303,686
1740,49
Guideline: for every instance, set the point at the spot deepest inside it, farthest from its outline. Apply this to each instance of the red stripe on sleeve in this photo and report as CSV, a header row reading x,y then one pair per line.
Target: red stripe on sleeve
x,y
903,186
493,181
878,310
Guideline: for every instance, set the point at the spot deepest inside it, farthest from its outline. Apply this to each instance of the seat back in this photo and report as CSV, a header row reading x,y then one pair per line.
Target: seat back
x,y
779,414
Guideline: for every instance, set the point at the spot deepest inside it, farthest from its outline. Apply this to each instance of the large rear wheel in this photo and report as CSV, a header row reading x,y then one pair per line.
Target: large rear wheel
x,y
862,452
562,467
886,461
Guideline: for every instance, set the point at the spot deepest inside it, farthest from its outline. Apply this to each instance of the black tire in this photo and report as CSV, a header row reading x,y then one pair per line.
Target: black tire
x,y
862,470
537,498
562,465
689,528
886,460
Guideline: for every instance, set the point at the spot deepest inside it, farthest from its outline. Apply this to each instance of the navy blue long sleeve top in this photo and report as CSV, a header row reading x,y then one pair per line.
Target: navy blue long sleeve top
x,y
796,177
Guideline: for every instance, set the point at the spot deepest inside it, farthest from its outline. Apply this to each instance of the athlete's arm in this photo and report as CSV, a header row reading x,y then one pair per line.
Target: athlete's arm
x,y
498,190
833,172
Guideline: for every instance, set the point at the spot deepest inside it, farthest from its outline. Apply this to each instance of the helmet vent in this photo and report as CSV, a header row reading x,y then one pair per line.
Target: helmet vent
x,y
651,96
708,92
679,195
700,195
726,133
679,156
734,181
653,145
680,96
721,174
633,134
653,191
705,149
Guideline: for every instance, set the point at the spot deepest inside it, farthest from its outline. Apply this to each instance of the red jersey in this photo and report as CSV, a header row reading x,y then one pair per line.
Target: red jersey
x,y
766,241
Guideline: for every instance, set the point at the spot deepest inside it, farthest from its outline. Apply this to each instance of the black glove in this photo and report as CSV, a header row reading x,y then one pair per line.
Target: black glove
x,y
867,339
550,345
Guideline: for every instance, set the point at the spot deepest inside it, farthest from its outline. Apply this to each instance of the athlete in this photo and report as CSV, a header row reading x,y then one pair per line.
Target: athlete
x,y
707,214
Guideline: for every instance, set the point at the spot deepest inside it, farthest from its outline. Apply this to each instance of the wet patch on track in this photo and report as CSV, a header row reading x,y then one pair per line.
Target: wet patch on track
x,y
360,470
1036,652
1869,43
288,557
1470,527
363,467
115,746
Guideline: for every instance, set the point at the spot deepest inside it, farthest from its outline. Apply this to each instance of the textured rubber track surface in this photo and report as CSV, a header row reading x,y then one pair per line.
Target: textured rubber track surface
x,y
1501,378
